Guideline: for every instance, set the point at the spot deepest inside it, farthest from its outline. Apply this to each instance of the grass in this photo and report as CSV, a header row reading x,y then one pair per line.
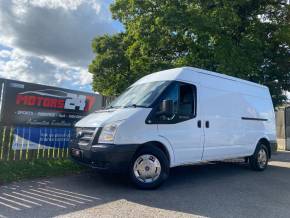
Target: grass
x,y
18,170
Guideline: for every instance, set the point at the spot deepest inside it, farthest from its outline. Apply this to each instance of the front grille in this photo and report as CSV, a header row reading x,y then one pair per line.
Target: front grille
x,y
85,137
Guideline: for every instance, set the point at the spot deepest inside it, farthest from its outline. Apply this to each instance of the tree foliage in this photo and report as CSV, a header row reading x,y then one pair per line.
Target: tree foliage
x,y
249,39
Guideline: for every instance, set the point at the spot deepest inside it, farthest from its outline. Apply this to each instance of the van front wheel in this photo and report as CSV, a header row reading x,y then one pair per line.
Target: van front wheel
x,y
259,160
149,168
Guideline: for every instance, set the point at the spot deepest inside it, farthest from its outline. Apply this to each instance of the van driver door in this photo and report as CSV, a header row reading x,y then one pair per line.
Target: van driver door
x,y
183,130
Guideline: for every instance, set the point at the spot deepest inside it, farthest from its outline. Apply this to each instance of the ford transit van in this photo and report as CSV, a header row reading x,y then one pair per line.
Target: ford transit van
x,y
178,117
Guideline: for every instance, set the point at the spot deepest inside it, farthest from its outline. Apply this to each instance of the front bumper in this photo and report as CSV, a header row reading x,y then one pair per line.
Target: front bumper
x,y
109,157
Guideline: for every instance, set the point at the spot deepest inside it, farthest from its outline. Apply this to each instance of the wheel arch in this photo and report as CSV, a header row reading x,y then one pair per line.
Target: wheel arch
x,y
265,142
160,145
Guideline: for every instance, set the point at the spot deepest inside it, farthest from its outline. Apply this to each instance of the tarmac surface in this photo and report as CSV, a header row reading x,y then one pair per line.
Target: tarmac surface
x,y
212,190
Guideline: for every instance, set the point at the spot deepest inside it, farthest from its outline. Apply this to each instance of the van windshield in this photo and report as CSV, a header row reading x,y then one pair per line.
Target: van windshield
x,y
142,95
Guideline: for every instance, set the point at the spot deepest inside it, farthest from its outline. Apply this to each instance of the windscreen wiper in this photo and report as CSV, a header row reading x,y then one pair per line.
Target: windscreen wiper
x,y
135,105
111,107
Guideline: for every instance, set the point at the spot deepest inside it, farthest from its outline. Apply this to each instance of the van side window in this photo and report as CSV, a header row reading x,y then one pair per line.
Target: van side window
x,y
186,102
172,94
183,96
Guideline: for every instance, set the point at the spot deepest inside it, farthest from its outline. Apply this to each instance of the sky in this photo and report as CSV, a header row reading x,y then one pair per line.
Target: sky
x,y
49,41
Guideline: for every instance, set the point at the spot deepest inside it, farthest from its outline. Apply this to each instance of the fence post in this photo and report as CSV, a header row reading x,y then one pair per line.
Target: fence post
x,y
3,129
10,141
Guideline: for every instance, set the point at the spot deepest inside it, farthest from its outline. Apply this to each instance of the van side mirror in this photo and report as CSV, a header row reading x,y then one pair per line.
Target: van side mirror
x,y
167,108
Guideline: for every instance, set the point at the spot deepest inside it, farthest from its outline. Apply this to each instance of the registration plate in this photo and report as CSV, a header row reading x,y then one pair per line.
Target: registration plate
x,y
76,152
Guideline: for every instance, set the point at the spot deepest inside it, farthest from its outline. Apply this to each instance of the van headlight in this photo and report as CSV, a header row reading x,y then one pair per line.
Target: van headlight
x,y
108,132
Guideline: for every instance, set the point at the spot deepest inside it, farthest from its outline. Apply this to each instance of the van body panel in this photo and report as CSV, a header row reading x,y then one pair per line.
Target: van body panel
x,y
234,115
135,131
255,130
186,140
224,137
100,118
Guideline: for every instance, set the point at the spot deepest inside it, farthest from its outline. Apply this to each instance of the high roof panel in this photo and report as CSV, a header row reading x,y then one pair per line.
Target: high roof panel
x,y
180,74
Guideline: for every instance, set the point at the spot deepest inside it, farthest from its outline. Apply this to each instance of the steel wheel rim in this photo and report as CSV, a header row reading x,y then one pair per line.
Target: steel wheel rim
x,y
262,158
147,168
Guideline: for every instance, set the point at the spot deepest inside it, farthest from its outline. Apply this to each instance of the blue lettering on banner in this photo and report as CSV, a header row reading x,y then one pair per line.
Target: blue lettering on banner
x,y
41,137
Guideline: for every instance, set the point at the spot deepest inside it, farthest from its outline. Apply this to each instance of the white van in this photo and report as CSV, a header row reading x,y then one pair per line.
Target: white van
x,y
178,117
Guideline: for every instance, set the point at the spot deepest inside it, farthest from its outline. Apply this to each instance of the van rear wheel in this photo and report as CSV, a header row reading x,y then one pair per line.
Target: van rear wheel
x,y
259,160
149,168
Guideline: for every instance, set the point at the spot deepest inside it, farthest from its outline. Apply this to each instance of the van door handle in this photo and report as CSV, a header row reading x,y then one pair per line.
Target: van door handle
x,y
206,124
199,124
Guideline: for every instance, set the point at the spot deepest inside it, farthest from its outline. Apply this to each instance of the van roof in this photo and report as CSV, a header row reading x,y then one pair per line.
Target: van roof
x,y
176,73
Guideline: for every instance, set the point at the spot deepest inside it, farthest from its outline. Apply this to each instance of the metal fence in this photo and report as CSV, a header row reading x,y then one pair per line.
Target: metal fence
x,y
287,127
283,128
8,153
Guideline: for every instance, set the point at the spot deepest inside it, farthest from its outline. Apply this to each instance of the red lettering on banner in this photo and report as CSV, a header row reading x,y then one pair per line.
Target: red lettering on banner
x,y
31,100
53,102
20,99
39,100
60,103
90,102
46,102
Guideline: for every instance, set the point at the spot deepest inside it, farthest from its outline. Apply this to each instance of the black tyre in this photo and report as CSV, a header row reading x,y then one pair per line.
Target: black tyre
x,y
259,160
149,168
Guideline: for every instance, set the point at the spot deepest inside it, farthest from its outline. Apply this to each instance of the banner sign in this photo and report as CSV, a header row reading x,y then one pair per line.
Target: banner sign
x,y
38,105
27,138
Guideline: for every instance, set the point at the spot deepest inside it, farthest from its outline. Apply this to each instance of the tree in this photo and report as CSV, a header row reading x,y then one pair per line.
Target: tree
x,y
249,39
